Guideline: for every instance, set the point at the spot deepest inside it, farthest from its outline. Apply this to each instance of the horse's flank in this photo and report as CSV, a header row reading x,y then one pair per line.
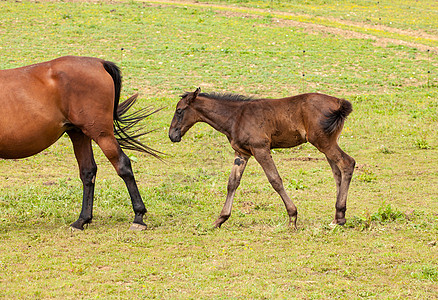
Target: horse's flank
x,y
55,96
40,99
79,96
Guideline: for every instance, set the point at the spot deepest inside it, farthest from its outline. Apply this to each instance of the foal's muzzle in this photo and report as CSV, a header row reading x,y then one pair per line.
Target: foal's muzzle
x,y
175,135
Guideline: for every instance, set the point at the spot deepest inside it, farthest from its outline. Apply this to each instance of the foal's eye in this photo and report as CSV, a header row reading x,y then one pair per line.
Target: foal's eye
x,y
179,114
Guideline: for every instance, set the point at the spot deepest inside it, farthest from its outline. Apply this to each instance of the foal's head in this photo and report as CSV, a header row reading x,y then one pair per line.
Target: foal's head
x,y
184,117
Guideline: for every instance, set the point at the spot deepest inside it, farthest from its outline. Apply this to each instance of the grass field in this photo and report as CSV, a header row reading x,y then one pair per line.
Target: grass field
x,y
380,55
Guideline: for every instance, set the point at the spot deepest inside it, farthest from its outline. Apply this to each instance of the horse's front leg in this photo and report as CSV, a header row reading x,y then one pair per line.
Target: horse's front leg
x,y
239,165
122,164
87,172
264,158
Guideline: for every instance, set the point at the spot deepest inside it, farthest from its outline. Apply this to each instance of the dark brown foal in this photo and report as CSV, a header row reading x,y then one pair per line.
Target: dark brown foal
x,y
255,126
80,96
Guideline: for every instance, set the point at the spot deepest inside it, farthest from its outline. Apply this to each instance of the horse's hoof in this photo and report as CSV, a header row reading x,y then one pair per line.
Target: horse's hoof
x,y
74,229
137,227
77,227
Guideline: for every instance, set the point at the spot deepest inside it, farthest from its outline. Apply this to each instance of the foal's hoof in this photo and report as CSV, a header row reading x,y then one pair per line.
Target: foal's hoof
x,y
218,223
220,220
293,222
339,221
332,224
138,227
335,223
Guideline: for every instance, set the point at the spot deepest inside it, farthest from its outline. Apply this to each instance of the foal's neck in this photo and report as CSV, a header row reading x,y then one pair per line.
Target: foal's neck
x,y
219,114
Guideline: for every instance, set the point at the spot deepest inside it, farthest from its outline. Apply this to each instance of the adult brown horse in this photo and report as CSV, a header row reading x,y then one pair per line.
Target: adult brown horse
x,y
80,96
255,126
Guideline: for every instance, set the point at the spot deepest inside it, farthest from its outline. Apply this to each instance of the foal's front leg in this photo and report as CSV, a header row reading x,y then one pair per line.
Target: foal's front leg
x,y
264,158
239,165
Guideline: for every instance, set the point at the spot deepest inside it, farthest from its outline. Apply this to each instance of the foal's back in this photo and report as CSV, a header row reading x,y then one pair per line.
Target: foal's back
x,y
285,122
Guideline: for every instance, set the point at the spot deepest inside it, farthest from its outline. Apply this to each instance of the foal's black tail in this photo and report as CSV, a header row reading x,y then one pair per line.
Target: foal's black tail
x,y
334,120
126,130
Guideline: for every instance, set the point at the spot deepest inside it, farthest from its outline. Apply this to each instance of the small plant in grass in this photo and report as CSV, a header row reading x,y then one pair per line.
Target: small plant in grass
x,y
422,143
361,223
386,214
385,150
366,175
296,184
366,294
267,19
426,273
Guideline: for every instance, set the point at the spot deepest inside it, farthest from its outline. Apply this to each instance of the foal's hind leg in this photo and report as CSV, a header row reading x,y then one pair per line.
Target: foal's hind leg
x,y
233,183
87,172
336,174
342,166
264,158
122,164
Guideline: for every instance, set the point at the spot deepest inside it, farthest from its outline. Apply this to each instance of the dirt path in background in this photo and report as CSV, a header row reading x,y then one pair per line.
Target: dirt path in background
x,y
307,27
317,28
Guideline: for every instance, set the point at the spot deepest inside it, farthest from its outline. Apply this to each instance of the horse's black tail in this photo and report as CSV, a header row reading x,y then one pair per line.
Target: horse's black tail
x,y
115,73
334,120
126,130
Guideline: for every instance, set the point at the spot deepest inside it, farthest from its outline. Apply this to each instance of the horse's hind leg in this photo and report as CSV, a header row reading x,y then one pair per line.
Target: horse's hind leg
x,y
87,172
233,183
343,167
264,158
122,164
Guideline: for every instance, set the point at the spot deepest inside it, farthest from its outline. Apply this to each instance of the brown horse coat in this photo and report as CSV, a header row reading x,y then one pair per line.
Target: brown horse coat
x,y
80,96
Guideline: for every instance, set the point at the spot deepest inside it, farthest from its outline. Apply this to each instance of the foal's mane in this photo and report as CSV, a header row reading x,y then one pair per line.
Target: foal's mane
x,y
224,97
227,97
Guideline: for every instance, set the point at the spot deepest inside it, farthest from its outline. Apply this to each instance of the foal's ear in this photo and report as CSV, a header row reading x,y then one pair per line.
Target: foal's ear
x,y
195,94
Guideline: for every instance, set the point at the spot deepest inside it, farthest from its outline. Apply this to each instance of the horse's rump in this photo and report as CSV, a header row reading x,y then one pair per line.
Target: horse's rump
x,y
79,96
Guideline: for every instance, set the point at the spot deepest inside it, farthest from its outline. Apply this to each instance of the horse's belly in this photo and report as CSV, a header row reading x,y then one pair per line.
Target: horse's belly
x,y
24,142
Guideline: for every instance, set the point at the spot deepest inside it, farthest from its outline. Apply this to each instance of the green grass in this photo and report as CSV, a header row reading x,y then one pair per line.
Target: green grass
x,y
403,14
387,249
